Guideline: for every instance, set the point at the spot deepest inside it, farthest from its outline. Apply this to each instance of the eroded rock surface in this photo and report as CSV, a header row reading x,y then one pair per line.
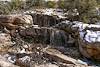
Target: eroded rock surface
x,y
35,32
89,41
45,20
12,21
45,35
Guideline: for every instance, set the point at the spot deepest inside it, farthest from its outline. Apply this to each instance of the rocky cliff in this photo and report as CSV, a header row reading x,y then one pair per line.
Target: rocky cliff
x,y
34,38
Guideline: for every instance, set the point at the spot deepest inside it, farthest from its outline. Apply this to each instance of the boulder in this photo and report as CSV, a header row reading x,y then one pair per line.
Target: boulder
x,y
89,41
11,23
14,21
86,36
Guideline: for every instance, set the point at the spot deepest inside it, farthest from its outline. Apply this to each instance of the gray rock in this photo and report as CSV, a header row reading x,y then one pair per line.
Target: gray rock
x,y
45,35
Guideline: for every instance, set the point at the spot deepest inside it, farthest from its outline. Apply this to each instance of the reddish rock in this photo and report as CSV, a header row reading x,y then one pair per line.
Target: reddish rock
x,y
15,21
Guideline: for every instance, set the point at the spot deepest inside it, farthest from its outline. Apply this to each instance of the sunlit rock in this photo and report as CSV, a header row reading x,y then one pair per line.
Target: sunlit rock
x,y
5,63
89,41
5,42
15,21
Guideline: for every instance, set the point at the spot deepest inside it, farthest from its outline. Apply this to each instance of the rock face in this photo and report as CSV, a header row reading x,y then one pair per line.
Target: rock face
x,y
45,35
71,32
89,41
86,36
45,20
34,29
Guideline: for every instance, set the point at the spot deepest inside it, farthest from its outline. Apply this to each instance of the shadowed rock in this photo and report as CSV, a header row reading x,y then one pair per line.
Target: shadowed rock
x,y
45,20
89,41
45,35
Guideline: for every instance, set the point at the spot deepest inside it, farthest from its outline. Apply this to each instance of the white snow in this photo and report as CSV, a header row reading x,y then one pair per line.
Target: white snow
x,y
92,25
48,11
25,59
91,36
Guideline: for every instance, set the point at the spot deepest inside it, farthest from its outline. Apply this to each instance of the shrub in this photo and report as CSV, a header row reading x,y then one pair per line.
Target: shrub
x,y
51,4
85,8
8,7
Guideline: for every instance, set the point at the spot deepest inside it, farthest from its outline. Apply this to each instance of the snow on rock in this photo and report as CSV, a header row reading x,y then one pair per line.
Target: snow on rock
x,y
25,59
89,42
90,35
